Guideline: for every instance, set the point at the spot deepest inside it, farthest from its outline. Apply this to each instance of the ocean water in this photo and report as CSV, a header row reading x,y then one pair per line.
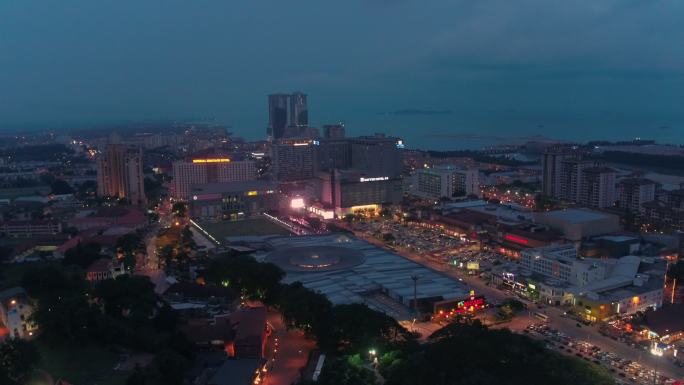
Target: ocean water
x,y
455,132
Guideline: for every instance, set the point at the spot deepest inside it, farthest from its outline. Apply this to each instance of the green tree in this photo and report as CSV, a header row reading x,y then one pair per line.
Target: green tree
x,y
60,187
180,209
17,359
246,275
130,243
358,328
344,371
307,310
470,353
82,254
676,271
67,319
130,297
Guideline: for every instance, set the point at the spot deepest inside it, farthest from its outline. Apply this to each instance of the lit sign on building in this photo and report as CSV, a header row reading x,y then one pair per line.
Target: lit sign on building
x,y
516,239
375,179
300,144
326,214
252,193
400,144
452,308
297,203
211,160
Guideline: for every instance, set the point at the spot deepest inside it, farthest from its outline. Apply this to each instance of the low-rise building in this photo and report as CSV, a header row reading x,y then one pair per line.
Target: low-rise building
x,y
16,309
30,228
232,201
576,224
104,268
107,217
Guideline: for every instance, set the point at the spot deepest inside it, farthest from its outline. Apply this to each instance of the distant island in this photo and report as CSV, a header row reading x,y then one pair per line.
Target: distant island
x,y
412,111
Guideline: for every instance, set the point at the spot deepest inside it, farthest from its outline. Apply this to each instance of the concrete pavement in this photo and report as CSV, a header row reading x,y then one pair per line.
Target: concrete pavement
x,y
287,352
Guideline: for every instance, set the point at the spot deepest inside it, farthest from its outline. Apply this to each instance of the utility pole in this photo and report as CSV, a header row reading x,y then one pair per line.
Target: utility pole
x,y
415,294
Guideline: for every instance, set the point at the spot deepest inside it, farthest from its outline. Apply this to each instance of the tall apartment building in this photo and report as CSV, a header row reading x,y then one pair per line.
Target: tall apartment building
x,y
377,155
299,112
293,159
446,182
571,174
287,110
598,187
277,115
633,192
551,172
187,174
120,173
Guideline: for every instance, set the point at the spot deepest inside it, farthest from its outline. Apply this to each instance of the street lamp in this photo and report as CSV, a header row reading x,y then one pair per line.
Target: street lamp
x,y
657,352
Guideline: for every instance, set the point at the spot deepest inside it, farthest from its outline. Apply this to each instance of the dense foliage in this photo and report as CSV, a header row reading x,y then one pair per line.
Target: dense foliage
x,y
123,312
469,353
17,360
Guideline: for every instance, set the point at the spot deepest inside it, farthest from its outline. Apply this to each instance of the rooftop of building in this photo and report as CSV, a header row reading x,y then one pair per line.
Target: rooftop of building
x,y
666,320
381,271
598,169
636,181
249,323
577,215
12,293
236,372
619,238
225,187
100,265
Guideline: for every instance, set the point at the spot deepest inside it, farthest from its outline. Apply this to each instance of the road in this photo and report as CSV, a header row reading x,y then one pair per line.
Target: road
x,y
288,352
557,320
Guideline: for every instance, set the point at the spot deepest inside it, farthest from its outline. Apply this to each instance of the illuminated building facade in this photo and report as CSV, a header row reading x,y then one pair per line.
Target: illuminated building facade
x,y
232,201
293,159
350,190
561,262
446,182
120,174
187,174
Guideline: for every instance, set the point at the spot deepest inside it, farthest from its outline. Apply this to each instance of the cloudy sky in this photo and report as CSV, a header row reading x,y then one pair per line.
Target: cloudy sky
x,y
556,67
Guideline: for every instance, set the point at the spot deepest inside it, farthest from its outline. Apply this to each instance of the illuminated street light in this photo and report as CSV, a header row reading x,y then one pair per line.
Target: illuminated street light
x,y
658,352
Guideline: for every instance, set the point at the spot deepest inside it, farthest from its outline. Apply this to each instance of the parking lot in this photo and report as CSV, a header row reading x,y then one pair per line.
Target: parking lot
x,y
415,237
625,371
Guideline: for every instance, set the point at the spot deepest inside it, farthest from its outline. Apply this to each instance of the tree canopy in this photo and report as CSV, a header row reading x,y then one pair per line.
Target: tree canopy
x,y
470,353
17,359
